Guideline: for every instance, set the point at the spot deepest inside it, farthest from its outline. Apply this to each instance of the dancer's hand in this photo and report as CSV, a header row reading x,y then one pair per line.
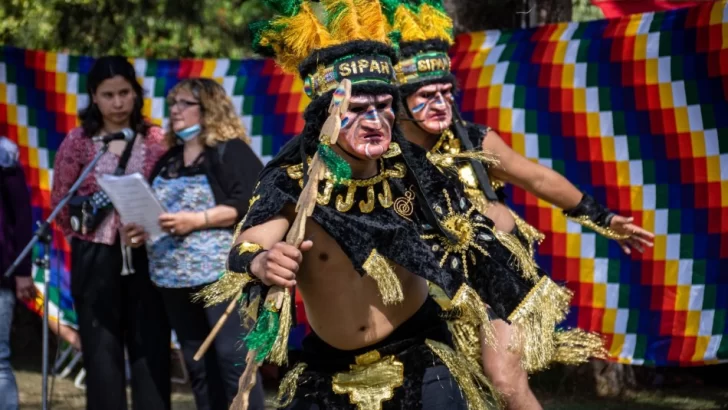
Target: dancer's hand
x,y
279,265
638,237
133,235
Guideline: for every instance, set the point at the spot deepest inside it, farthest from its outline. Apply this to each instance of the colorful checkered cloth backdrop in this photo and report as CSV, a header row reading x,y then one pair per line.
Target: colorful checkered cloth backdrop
x,y
632,110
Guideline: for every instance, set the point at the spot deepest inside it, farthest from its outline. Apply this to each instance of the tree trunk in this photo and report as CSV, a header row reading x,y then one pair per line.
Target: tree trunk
x,y
612,379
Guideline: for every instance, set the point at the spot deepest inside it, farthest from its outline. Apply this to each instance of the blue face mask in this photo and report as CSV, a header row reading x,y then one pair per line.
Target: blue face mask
x,y
189,132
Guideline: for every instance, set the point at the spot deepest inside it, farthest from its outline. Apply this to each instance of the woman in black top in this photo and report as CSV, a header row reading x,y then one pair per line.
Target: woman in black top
x,y
205,182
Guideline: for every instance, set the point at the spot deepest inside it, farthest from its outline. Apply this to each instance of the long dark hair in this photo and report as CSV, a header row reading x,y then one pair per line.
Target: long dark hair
x,y
104,68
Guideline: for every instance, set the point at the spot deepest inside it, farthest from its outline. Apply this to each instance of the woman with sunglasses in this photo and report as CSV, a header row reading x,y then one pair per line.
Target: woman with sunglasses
x,y
205,182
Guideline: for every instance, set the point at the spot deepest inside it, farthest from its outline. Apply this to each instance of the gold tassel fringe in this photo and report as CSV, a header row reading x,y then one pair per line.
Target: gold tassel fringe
x,y
381,271
472,310
534,323
287,387
576,346
479,392
466,338
224,289
606,232
435,23
279,352
522,256
531,234
464,326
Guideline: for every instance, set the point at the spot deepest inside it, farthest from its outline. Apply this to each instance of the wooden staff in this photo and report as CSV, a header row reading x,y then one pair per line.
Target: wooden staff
x,y
215,330
304,208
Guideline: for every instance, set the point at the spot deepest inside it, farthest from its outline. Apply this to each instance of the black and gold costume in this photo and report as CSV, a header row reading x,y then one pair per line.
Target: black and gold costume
x,y
412,214
377,222
540,304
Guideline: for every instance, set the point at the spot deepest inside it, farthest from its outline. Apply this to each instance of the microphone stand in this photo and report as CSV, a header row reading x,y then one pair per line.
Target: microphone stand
x,y
44,236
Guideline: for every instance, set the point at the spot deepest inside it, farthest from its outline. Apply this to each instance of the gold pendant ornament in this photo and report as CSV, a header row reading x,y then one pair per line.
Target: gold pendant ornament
x,y
370,381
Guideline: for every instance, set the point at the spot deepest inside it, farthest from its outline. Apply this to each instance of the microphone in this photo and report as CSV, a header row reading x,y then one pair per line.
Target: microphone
x,y
126,134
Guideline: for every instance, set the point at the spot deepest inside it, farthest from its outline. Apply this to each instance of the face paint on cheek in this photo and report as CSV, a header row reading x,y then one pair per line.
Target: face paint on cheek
x,y
418,108
345,122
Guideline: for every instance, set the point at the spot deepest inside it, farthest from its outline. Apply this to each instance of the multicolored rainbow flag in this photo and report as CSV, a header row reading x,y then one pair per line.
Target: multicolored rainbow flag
x,y
632,110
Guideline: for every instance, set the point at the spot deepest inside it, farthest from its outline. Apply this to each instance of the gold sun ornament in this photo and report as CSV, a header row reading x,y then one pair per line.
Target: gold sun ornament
x,y
471,233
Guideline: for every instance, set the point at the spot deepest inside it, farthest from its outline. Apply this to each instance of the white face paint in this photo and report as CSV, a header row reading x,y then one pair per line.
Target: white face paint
x,y
366,128
431,107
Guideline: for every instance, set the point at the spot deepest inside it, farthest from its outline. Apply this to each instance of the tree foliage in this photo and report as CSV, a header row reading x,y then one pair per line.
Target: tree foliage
x,y
213,28
138,28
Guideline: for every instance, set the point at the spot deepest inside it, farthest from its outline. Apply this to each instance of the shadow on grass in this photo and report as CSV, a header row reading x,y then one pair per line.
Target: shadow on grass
x,y
572,388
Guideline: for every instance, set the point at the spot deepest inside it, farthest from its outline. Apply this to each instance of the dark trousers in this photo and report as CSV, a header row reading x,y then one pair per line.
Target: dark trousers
x,y
115,311
215,377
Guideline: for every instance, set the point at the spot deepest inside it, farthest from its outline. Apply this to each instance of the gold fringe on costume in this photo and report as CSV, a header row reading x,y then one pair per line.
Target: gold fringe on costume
x,y
381,271
465,333
279,353
288,385
224,289
522,256
470,309
576,346
466,338
528,231
534,322
606,232
479,392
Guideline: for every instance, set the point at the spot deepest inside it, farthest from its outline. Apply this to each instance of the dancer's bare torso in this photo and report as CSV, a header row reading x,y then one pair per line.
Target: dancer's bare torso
x,y
343,307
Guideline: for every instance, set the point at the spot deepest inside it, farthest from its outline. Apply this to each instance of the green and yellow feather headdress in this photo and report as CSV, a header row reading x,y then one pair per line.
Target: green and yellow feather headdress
x,y
425,34
353,42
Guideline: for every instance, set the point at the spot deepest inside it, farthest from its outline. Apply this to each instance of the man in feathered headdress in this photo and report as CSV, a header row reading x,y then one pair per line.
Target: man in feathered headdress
x,y
430,119
378,340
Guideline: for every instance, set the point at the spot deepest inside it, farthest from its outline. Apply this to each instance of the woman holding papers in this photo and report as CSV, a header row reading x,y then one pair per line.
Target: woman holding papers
x,y
205,182
115,310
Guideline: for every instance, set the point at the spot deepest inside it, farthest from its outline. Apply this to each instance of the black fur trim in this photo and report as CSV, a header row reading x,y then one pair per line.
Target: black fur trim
x,y
411,48
328,55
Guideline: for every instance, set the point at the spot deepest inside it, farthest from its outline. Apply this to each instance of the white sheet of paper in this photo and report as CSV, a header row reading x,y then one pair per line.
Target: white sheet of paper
x,y
134,200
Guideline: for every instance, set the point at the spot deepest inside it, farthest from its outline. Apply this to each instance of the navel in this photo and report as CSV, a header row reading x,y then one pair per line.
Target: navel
x,y
323,256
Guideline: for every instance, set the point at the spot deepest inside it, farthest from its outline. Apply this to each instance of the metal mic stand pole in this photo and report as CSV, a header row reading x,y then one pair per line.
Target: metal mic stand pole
x,y
44,236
